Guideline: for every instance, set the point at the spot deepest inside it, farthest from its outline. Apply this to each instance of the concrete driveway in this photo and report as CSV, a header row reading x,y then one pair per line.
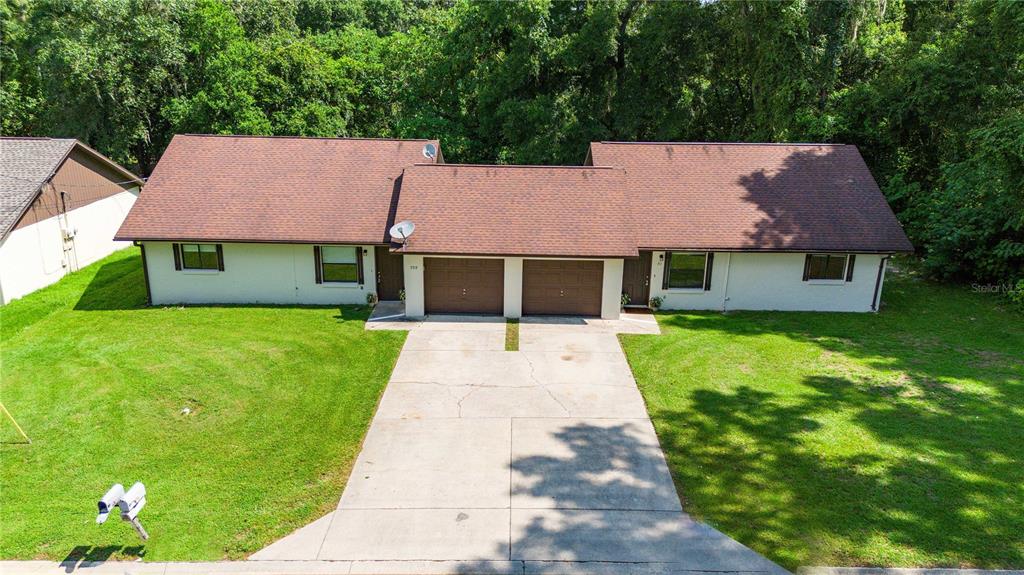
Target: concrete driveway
x,y
541,460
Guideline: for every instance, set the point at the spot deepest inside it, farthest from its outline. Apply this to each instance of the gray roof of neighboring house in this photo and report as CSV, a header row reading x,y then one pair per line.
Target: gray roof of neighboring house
x,y
25,165
28,163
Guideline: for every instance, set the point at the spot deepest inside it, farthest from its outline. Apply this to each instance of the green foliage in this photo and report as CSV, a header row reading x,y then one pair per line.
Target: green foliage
x,y
932,93
1017,295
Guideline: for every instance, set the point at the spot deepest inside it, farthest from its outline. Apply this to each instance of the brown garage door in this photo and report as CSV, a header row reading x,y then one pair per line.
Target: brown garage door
x,y
463,285
562,287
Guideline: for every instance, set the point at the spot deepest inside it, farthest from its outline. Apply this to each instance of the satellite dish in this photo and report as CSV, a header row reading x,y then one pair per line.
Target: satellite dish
x,y
430,152
401,231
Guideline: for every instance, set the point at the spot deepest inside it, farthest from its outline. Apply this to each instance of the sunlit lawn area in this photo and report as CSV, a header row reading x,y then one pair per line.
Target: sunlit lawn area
x,y
279,399
894,439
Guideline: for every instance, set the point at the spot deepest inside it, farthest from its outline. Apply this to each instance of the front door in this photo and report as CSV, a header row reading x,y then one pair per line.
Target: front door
x,y
636,279
390,274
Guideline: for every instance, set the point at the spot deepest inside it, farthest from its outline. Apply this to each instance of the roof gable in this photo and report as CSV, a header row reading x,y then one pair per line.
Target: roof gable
x,y
25,165
28,163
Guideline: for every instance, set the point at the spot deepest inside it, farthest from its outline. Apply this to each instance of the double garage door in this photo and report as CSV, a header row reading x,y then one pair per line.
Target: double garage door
x,y
550,287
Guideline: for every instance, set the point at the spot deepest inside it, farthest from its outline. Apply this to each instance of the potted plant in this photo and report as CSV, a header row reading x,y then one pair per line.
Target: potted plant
x,y
624,299
371,299
655,303
401,294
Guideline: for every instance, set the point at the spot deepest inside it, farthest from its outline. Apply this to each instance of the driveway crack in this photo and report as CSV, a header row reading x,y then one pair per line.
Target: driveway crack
x,y
472,389
533,376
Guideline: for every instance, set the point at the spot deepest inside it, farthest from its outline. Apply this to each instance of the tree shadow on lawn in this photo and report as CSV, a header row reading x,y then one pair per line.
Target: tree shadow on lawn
x,y
943,482
949,496
603,496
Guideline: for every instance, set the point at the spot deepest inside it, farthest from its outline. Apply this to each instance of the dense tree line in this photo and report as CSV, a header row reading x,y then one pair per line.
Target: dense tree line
x,y
932,92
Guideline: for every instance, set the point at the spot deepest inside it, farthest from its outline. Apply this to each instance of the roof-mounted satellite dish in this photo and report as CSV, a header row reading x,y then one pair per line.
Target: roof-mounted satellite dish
x,y
430,151
401,231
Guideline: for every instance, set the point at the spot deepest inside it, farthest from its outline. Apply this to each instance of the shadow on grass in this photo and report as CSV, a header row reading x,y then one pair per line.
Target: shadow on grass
x,y
936,479
81,556
607,498
117,285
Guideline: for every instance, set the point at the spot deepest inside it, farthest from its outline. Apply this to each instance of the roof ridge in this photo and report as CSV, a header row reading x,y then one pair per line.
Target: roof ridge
x,y
40,138
537,166
721,143
308,137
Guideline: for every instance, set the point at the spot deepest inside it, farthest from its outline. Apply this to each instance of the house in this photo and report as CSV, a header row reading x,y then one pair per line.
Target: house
x,y
235,219
60,204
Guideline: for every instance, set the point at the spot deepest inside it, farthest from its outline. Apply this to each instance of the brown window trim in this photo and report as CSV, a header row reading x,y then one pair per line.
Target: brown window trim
x,y
179,259
318,263
709,260
846,276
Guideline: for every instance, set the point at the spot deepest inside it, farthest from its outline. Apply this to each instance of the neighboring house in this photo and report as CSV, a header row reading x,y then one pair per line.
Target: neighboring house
x,y
60,204
233,219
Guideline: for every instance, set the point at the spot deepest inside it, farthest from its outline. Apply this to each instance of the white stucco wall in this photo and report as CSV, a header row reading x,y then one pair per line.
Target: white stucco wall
x,y
415,304
284,274
33,257
253,273
611,289
513,286
752,281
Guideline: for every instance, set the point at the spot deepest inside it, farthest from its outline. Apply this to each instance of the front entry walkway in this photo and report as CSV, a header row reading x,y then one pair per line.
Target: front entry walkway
x,y
539,460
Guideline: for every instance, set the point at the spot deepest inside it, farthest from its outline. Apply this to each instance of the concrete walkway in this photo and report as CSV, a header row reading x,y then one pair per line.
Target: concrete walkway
x,y
542,460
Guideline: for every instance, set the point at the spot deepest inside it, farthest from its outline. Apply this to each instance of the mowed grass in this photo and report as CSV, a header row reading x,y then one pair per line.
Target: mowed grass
x,y
512,335
278,401
894,439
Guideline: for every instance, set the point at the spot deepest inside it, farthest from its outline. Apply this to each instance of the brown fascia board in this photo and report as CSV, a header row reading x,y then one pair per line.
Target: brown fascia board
x,y
182,239
513,255
771,250
104,159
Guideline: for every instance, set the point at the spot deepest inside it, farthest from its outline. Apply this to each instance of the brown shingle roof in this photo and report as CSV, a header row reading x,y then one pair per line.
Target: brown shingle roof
x,y
516,210
272,189
771,197
780,197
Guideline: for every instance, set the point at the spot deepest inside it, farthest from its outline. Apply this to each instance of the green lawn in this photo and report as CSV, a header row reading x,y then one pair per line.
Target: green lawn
x,y
894,439
280,399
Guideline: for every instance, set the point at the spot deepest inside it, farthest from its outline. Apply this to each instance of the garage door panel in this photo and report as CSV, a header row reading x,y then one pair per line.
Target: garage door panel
x,y
562,287
464,285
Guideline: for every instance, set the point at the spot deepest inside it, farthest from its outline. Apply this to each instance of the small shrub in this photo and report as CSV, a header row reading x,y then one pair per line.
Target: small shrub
x,y
371,299
1016,295
655,302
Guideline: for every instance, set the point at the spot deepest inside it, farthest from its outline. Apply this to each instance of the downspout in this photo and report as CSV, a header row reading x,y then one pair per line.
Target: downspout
x,y
145,272
725,287
878,282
